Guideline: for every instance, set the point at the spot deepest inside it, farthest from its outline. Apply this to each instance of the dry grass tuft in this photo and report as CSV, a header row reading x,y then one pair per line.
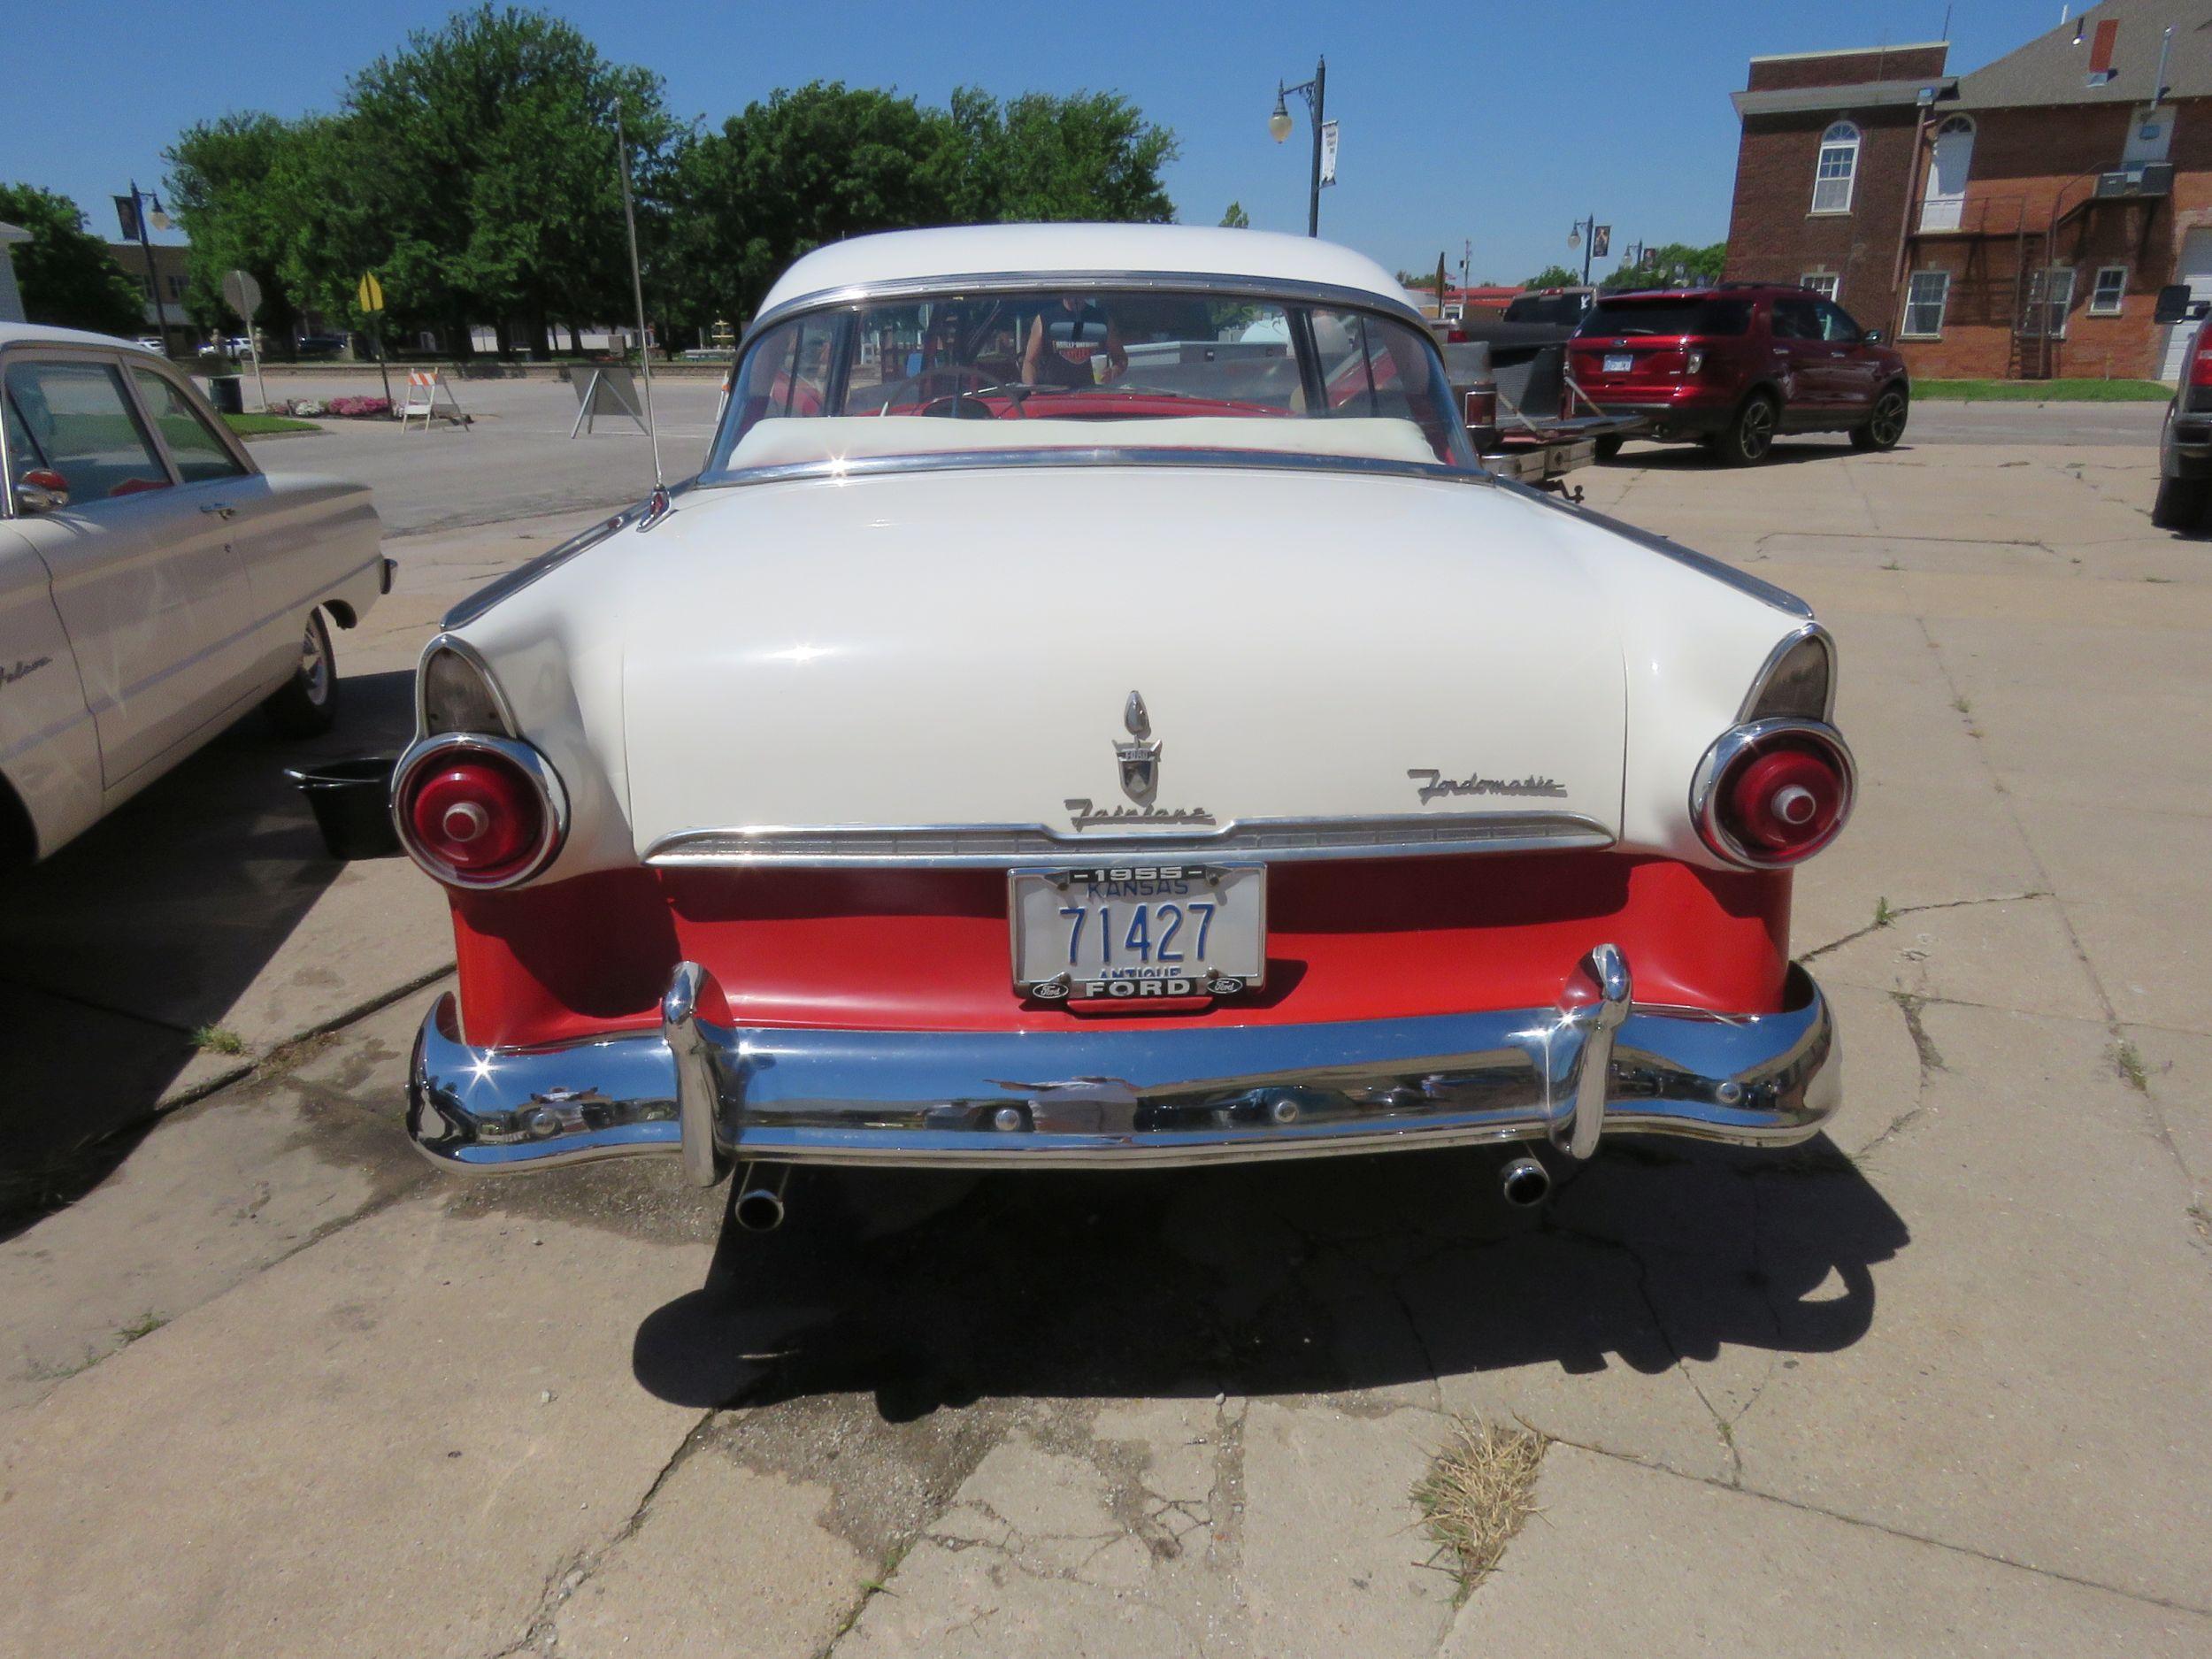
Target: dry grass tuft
x,y
1477,1493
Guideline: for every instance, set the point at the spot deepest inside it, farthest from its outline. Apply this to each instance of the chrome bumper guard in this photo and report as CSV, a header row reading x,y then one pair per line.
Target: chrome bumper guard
x,y
714,1095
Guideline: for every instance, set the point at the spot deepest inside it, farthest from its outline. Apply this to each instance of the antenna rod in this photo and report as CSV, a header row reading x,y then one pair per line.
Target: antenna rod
x,y
637,291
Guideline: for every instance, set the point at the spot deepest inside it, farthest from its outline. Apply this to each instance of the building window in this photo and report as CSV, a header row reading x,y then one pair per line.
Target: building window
x,y
1945,203
1837,166
2111,288
2050,297
1925,298
176,287
1823,283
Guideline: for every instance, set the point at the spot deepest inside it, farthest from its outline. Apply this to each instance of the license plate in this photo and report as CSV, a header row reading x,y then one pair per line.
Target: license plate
x,y
1139,930
1619,362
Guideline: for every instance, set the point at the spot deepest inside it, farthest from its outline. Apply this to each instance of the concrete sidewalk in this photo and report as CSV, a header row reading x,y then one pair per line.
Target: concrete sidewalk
x,y
1939,1387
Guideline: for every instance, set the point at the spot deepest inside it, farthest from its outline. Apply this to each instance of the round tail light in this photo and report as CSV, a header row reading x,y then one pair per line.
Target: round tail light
x,y
478,811
1773,793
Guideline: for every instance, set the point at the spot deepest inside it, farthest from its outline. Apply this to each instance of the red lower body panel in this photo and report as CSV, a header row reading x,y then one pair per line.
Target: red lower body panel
x,y
928,950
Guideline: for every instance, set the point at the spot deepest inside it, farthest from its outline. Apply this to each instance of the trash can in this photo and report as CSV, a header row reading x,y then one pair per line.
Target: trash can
x,y
352,802
227,393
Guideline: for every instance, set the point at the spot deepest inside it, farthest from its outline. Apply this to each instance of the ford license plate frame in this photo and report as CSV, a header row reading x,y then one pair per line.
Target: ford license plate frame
x,y
1138,930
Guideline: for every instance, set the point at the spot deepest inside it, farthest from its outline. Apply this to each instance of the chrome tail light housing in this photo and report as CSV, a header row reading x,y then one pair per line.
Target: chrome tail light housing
x,y
478,811
1770,794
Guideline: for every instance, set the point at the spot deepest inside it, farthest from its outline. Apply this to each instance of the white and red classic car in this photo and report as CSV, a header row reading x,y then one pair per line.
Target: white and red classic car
x,y
1092,709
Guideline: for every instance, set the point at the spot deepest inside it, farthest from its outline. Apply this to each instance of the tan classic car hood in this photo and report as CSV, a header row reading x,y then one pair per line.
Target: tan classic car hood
x,y
962,648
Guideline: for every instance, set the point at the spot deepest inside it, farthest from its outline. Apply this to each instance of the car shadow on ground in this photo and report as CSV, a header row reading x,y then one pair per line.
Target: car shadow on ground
x,y
1786,452
148,927
930,1290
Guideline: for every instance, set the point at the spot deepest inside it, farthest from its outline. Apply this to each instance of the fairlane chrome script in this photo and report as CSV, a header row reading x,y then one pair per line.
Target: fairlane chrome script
x,y
1087,816
1438,784
22,670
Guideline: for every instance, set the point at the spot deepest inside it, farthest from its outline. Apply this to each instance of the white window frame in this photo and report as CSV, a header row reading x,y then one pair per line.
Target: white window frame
x,y
1827,284
2050,287
1843,139
2119,293
1942,304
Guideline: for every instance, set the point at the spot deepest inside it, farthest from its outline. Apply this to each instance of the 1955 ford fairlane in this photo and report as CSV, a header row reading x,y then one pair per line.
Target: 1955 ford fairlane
x,y
1092,709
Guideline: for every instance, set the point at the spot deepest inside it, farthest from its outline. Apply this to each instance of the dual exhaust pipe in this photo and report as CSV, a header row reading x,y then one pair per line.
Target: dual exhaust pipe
x,y
759,1205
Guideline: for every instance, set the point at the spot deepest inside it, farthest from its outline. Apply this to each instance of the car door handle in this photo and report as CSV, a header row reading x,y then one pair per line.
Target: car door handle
x,y
221,509
1839,354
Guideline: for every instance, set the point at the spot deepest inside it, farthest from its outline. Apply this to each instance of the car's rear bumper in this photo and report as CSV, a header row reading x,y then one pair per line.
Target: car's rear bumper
x,y
1689,417
715,1094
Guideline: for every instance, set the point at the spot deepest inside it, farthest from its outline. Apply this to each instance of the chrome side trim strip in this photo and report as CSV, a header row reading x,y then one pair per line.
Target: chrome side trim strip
x,y
1073,455
983,846
1705,564
528,572
1093,1095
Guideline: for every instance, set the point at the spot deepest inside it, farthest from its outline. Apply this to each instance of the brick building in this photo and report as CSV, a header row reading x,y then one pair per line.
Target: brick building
x,y
2014,222
173,267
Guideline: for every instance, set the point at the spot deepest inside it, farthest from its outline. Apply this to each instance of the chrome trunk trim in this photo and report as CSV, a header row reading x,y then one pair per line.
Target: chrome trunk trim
x,y
986,846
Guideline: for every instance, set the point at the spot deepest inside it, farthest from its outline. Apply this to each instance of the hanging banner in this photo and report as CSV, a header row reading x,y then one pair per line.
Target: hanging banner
x,y
127,216
1601,240
1328,152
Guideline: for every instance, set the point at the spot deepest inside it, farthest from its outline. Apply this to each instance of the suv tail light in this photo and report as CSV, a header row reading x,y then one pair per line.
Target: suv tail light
x,y
1773,793
478,811
2201,361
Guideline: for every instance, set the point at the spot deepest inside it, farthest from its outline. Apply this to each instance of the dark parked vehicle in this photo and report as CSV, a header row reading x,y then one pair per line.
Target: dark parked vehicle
x,y
1731,366
320,345
2184,447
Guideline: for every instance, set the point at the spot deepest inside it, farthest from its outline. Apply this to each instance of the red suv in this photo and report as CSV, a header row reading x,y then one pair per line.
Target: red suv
x,y
1730,366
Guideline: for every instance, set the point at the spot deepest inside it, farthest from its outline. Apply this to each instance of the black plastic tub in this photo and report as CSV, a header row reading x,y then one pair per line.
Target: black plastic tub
x,y
352,803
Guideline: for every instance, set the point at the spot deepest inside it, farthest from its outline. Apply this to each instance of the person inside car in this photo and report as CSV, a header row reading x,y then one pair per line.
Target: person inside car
x,y
1063,340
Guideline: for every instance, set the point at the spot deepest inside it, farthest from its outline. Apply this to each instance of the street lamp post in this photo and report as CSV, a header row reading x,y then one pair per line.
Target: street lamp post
x,y
1583,233
139,200
1278,124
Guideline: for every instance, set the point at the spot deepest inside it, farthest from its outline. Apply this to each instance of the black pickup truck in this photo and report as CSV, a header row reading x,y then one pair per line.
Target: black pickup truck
x,y
1521,409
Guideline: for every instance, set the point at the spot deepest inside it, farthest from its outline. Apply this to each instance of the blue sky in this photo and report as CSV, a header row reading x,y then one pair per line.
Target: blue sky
x,y
1498,123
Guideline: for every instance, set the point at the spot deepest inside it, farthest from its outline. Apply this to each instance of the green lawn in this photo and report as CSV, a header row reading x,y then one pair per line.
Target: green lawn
x,y
262,426
2045,391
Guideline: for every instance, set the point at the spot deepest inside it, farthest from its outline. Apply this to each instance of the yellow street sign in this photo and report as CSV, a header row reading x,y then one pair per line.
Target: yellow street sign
x,y
371,293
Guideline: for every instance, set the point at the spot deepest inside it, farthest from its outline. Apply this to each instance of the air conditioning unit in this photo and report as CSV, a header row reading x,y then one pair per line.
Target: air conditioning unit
x,y
2152,178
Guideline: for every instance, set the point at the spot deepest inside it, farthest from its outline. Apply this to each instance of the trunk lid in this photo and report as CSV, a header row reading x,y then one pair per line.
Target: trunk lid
x,y
961,647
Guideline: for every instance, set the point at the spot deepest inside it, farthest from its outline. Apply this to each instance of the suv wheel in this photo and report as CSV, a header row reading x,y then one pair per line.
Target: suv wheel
x,y
1882,428
1749,435
2181,503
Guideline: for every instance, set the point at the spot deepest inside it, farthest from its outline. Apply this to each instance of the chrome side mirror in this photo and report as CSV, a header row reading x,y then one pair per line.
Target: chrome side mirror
x,y
40,490
1872,337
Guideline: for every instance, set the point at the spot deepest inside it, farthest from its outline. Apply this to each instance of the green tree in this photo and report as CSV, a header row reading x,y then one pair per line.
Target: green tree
x,y
1554,276
67,276
1089,155
1236,217
1699,264
223,189
487,149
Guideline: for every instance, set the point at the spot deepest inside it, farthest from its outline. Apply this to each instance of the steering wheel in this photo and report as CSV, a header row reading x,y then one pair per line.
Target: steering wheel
x,y
967,382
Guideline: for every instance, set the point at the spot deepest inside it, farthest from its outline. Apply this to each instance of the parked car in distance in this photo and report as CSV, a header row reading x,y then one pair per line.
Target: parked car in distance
x,y
1551,306
155,584
153,344
229,346
1731,366
2184,443
319,345
1017,749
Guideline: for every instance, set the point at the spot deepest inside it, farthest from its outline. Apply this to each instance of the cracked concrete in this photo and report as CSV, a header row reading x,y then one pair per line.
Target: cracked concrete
x,y
1929,1385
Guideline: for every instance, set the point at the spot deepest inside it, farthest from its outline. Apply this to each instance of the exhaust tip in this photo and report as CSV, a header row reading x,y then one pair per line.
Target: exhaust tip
x,y
758,1206
1525,1182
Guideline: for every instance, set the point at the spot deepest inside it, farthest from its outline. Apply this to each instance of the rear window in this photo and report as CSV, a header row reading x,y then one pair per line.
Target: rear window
x,y
1662,315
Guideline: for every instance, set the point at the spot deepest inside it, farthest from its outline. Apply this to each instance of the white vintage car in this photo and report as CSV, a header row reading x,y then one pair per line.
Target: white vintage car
x,y
154,583
1092,709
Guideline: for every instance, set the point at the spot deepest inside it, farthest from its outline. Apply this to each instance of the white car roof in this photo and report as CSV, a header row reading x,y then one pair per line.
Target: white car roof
x,y
39,334
1071,249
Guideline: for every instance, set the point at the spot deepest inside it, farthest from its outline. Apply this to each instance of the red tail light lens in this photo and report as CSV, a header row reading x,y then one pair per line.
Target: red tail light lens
x,y
1773,793
2200,362
478,811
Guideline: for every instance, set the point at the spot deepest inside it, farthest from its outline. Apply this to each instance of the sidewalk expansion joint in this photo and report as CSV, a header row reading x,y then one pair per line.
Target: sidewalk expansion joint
x,y
1890,918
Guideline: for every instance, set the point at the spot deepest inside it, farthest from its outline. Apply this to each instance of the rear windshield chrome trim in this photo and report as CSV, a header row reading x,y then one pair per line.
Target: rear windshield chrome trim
x,y
996,846
1078,456
1114,282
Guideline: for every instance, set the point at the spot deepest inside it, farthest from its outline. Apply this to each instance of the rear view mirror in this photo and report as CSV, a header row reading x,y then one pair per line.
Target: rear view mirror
x,y
2173,303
